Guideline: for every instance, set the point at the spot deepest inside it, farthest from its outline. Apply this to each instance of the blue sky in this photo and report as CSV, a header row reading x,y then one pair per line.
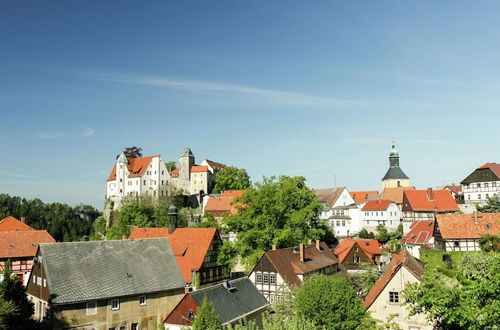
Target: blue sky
x,y
318,89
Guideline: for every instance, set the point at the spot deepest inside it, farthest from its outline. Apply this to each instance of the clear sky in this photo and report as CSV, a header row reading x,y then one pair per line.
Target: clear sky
x,y
311,88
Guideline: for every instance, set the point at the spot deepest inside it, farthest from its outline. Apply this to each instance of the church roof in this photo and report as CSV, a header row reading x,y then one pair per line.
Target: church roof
x,y
394,172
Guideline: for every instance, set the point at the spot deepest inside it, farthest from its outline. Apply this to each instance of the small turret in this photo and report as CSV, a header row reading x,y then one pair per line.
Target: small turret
x,y
122,159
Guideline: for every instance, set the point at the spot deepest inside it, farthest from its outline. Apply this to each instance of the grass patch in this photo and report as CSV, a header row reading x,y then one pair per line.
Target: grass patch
x,y
434,259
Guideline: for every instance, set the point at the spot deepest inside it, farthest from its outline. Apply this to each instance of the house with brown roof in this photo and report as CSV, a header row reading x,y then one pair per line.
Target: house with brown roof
x,y
421,234
423,205
462,232
395,194
385,297
222,205
19,243
364,196
279,269
380,212
352,253
195,249
456,192
481,184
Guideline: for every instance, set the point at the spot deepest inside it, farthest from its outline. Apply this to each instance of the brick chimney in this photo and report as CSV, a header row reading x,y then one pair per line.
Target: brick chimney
x,y
430,194
274,247
318,245
23,219
302,252
309,241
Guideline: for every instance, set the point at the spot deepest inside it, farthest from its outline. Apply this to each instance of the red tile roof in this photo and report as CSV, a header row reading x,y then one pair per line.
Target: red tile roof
x,y
198,168
223,205
175,173
232,193
494,167
16,244
371,247
431,200
454,188
468,225
136,167
395,194
12,224
362,196
420,232
378,205
190,245
399,259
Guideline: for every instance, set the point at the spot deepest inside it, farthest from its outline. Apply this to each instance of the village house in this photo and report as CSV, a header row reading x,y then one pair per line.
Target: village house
x,y
364,196
385,297
395,195
105,285
352,253
279,269
19,243
380,212
481,184
234,301
192,179
222,205
462,232
421,234
395,177
423,205
195,249
456,192
135,177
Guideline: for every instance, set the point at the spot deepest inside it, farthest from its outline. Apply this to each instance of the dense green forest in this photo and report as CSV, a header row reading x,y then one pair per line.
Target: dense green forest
x,y
62,221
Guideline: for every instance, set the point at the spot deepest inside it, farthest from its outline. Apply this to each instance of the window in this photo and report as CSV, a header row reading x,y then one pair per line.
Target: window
x,y
343,223
338,223
272,278
394,297
478,196
142,300
39,281
258,278
144,182
265,278
456,243
115,304
487,195
91,308
34,278
356,260
134,326
44,283
123,327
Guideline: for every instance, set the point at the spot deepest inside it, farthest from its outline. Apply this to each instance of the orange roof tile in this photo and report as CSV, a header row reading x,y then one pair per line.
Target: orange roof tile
x,y
395,194
12,224
420,232
198,168
454,188
399,259
136,167
494,167
190,245
378,205
468,225
430,200
174,173
370,247
232,193
362,196
16,244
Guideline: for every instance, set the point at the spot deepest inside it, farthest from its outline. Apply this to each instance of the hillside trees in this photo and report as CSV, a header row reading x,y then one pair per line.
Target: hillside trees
x,y
231,178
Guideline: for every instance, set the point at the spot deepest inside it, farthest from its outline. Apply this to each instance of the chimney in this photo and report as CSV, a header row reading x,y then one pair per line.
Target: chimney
x,y
318,245
171,227
23,219
187,289
309,241
430,194
274,247
302,252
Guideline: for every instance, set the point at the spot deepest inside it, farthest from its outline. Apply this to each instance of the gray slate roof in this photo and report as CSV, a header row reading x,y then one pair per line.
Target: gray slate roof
x,y
95,270
232,304
394,172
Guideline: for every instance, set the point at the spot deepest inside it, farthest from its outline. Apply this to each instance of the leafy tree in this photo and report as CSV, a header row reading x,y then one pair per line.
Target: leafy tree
x,y
231,178
134,215
207,318
282,212
492,205
470,305
382,234
171,165
13,292
208,222
363,233
132,152
365,279
7,312
489,242
227,256
330,302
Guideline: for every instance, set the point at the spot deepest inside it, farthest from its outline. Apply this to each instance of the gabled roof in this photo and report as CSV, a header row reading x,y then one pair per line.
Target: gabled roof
x,y
486,172
17,244
371,247
233,304
363,196
420,232
395,194
455,226
12,224
214,165
399,259
328,195
377,205
136,167
431,200
232,193
223,205
199,168
97,270
287,261
190,245
454,188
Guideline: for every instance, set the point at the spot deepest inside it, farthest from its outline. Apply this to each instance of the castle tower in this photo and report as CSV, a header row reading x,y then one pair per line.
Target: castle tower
x,y
121,173
395,177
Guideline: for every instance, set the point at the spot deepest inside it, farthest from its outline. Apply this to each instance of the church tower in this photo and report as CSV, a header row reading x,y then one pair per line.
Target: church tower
x,y
395,177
